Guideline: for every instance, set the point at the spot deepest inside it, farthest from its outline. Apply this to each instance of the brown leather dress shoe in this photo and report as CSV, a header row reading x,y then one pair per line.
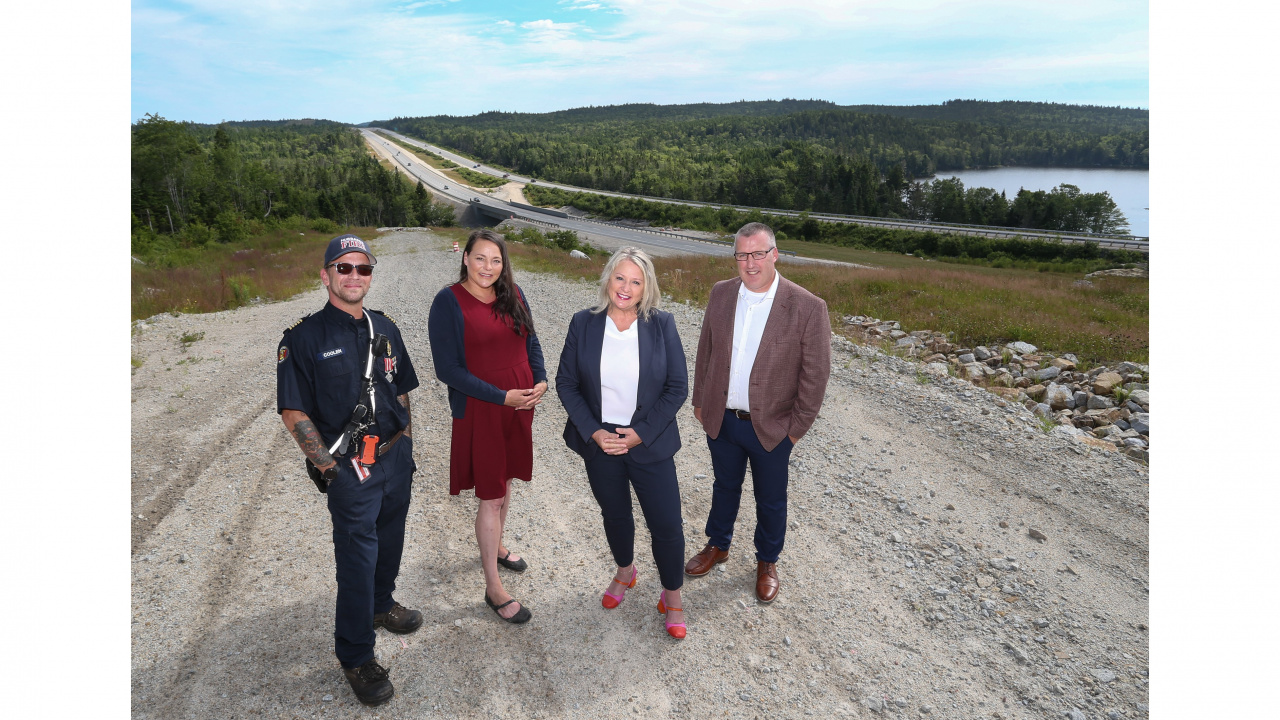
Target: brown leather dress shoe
x,y
766,581
702,563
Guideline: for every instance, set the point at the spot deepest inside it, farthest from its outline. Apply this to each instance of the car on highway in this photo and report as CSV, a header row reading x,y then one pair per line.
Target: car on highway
x,y
446,187
476,165
505,174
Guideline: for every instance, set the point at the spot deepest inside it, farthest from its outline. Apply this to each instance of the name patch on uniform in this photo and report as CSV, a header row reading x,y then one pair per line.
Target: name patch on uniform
x,y
326,354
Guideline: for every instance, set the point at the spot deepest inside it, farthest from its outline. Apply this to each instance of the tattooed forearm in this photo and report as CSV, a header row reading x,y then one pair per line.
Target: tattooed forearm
x,y
304,431
404,400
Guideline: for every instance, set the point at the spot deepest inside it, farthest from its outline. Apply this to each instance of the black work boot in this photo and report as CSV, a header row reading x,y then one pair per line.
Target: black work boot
x,y
370,683
399,619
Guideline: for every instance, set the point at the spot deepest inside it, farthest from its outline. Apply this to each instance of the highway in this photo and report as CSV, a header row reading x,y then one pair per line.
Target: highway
x,y
658,242
1124,242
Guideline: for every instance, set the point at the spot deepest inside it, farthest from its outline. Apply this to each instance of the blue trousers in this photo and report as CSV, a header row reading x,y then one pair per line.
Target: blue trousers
x,y
368,540
730,452
611,478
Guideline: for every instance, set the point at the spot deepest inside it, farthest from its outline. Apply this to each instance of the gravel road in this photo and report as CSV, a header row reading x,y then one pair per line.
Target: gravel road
x,y
912,581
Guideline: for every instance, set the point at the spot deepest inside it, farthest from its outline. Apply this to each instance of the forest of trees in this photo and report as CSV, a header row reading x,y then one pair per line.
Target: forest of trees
x,y
798,154
202,183
996,252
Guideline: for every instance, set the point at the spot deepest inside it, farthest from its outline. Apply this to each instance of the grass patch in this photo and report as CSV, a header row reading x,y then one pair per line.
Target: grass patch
x,y
189,278
1102,323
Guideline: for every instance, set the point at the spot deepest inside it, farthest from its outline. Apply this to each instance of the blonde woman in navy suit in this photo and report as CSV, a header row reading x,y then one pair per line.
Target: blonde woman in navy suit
x,y
622,379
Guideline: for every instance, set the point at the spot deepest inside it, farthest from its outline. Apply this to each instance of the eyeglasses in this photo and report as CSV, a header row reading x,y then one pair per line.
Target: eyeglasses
x,y
758,255
346,268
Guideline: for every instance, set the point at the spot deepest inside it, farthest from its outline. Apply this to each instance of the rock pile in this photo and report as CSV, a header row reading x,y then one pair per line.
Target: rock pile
x,y
1105,407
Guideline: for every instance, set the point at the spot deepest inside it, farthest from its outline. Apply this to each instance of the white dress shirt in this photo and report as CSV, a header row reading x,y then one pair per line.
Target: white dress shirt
x,y
748,326
619,372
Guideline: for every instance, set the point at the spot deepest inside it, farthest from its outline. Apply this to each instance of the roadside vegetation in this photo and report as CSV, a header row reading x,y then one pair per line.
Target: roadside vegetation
x,y
1022,253
1104,321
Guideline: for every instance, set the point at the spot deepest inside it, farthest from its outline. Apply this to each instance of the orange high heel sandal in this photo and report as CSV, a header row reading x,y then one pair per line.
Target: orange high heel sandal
x,y
611,601
675,630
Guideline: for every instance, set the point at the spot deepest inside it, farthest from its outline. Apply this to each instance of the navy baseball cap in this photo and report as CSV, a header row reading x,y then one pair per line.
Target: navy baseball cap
x,y
344,244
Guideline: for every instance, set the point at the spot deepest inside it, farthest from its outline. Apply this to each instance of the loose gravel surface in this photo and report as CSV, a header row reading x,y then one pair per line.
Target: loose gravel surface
x,y
913,579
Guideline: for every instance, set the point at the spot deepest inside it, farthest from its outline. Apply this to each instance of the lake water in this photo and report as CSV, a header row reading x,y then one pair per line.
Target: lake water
x,y
1127,187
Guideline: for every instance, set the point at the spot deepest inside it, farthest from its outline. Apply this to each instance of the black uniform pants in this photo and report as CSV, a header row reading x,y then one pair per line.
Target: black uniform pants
x,y
368,540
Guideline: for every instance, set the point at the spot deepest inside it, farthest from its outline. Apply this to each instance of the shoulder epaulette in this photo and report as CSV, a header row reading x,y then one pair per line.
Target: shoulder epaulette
x,y
393,320
297,323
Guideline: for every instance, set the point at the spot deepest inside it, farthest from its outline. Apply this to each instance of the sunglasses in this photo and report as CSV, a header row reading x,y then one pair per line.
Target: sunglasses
x,y
346,268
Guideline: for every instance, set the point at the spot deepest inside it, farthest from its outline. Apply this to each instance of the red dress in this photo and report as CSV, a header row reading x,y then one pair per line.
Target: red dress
x,y
491,443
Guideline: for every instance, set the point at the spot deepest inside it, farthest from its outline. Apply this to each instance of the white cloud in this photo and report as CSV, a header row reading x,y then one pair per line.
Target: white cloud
x,y
349,61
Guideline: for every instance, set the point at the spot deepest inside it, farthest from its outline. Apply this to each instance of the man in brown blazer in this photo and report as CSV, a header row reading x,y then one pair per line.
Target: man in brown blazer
x,y
764,357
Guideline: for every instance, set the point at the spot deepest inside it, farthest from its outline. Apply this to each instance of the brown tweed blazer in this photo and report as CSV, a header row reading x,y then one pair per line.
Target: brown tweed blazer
x,y
789,376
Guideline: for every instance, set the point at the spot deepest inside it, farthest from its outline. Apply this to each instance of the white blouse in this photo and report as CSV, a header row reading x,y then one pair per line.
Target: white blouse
x,y
619,372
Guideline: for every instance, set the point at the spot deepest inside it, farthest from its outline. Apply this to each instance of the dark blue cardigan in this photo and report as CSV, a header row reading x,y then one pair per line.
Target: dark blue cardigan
x,y
448,351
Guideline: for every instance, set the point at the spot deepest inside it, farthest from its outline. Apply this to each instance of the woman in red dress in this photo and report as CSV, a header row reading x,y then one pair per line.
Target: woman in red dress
x,y
484,348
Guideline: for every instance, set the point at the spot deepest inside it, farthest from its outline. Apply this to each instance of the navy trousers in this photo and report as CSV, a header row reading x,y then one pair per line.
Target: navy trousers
x,y
730,453
611,478
368,540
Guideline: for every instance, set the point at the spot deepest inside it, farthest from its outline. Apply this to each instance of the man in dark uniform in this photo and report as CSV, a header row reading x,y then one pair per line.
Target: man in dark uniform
x,y
327,363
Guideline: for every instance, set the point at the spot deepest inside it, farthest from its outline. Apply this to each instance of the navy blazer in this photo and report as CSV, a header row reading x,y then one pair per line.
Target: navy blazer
x,y
445,328
663,386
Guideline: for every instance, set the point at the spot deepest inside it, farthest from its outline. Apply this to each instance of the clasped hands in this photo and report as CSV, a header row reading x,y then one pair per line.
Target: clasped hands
x,y
525,399
611,444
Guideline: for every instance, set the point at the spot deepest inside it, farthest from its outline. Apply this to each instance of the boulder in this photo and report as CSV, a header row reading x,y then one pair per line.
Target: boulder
x,y
1003,379
1022,382
1036,392
992,362
1100,402
1106,431
1141,422
1127,367
1138,454
579,254
1135,442
967,358
975,371
1007,393
908,341
936,369
1096,443
1059,397
1081,397
1132,406
1105,382
935,358
1042,410
983,354
1062,363
1021,348
1141,397
1047,373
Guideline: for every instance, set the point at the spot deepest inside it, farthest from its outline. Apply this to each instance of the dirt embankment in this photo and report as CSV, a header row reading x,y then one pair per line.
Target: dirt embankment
x,y
911,581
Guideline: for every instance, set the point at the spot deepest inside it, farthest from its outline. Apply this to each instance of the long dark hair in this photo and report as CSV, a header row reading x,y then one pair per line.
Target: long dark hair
x,y
507,305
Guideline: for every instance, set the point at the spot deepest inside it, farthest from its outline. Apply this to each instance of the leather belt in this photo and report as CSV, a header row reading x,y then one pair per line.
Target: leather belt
x,y
742,414
384,447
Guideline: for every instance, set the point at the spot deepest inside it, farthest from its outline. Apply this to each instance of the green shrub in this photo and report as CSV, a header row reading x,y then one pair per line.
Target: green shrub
x,y
324,225
197,233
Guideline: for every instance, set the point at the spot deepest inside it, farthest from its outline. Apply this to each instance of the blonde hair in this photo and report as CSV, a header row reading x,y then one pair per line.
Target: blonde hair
x,y
649,299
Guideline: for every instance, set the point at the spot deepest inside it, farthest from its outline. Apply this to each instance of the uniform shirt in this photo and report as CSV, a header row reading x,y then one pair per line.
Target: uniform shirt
x,y
619,372
320,371
748,327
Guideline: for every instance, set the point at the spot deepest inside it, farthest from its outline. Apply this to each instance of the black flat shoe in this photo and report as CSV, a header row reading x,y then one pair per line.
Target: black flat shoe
x,y
516,565
520,617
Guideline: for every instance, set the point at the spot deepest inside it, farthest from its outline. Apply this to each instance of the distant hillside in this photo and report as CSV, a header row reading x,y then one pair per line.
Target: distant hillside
x,y
1026,115
303,122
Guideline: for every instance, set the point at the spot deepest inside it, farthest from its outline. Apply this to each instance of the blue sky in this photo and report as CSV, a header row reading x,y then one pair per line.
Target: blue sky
x,y
212,60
